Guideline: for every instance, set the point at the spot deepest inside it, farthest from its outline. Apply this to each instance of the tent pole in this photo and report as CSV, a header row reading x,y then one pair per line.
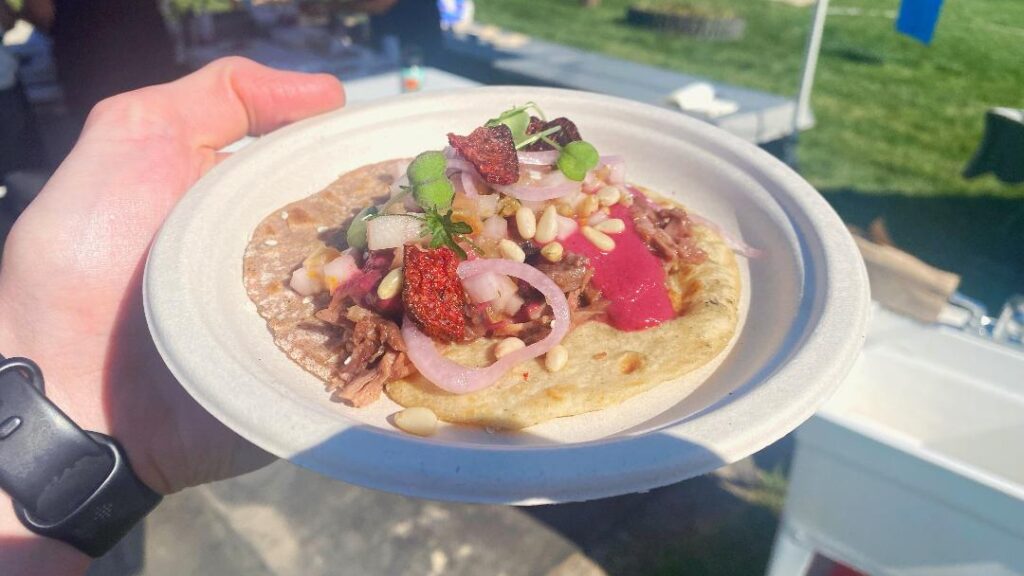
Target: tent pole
x,y
803,97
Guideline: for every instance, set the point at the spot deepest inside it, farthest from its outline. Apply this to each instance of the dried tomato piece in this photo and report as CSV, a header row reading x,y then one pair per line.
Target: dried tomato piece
x,y
568,133
492,150
536,125
432,294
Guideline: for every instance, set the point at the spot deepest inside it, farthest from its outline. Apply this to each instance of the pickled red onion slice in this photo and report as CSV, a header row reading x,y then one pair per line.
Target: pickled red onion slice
x,y
468,187
462,165
457,379
553,185
542,158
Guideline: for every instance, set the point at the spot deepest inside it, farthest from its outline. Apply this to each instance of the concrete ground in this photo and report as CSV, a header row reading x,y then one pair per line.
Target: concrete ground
x,y
284,520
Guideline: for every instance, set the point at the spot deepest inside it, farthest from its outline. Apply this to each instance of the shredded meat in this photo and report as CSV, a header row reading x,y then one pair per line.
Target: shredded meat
x,y
573,274
529,331
586,305
373,349
668,232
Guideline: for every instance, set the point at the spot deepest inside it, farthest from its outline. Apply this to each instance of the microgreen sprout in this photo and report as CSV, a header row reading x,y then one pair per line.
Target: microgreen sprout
x,y
428,166
542,135
430,186
576,159
518,121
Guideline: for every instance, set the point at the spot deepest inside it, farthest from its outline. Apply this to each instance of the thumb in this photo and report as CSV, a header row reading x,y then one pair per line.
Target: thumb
x,y
218,104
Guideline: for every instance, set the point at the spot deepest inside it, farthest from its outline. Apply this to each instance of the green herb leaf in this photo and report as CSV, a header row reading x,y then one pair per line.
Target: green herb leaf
x,y
460,228
576,159
443,231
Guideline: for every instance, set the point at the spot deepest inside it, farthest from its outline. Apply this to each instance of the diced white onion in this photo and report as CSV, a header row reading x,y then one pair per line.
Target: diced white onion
x,y
339,271
496,227
482,287
506,287
305,284
486,205
507,294
512,304
392,231
566,227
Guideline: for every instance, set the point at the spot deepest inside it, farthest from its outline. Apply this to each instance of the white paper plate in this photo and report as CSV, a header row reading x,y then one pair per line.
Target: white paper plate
x,y
805,309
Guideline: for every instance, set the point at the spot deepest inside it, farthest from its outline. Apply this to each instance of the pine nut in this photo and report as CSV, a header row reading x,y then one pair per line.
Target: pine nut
x,y
508,346
526,222
507,206
611,226
603,241
609,196
547,228
587,206
511,251
417,420
390,285
556,358
552,252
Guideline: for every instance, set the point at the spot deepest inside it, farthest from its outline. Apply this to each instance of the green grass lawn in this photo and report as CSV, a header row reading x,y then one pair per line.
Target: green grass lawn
x,y
895,119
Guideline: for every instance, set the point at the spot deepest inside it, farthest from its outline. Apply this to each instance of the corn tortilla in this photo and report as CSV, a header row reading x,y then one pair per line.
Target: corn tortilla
x,y
606,366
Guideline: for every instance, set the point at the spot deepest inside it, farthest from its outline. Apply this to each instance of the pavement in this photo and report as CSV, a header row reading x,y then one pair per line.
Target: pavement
x,y
283,520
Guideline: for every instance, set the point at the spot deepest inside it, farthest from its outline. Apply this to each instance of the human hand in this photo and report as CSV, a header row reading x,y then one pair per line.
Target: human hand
x,y
70,282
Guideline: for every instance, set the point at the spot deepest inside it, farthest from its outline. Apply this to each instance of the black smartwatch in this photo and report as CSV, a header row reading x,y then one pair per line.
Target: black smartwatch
x,y
67,484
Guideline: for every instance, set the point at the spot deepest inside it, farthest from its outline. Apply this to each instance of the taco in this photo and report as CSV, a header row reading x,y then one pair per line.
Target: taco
x,y
508,279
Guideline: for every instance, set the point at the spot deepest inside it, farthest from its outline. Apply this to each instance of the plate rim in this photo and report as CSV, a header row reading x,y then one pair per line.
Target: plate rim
x,y
805,202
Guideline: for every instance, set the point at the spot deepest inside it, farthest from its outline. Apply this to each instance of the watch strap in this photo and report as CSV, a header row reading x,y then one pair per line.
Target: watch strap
x,y
67,484
107,515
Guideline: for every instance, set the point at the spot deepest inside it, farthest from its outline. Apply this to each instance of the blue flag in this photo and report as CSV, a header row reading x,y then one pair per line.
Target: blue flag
x,y
918,18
